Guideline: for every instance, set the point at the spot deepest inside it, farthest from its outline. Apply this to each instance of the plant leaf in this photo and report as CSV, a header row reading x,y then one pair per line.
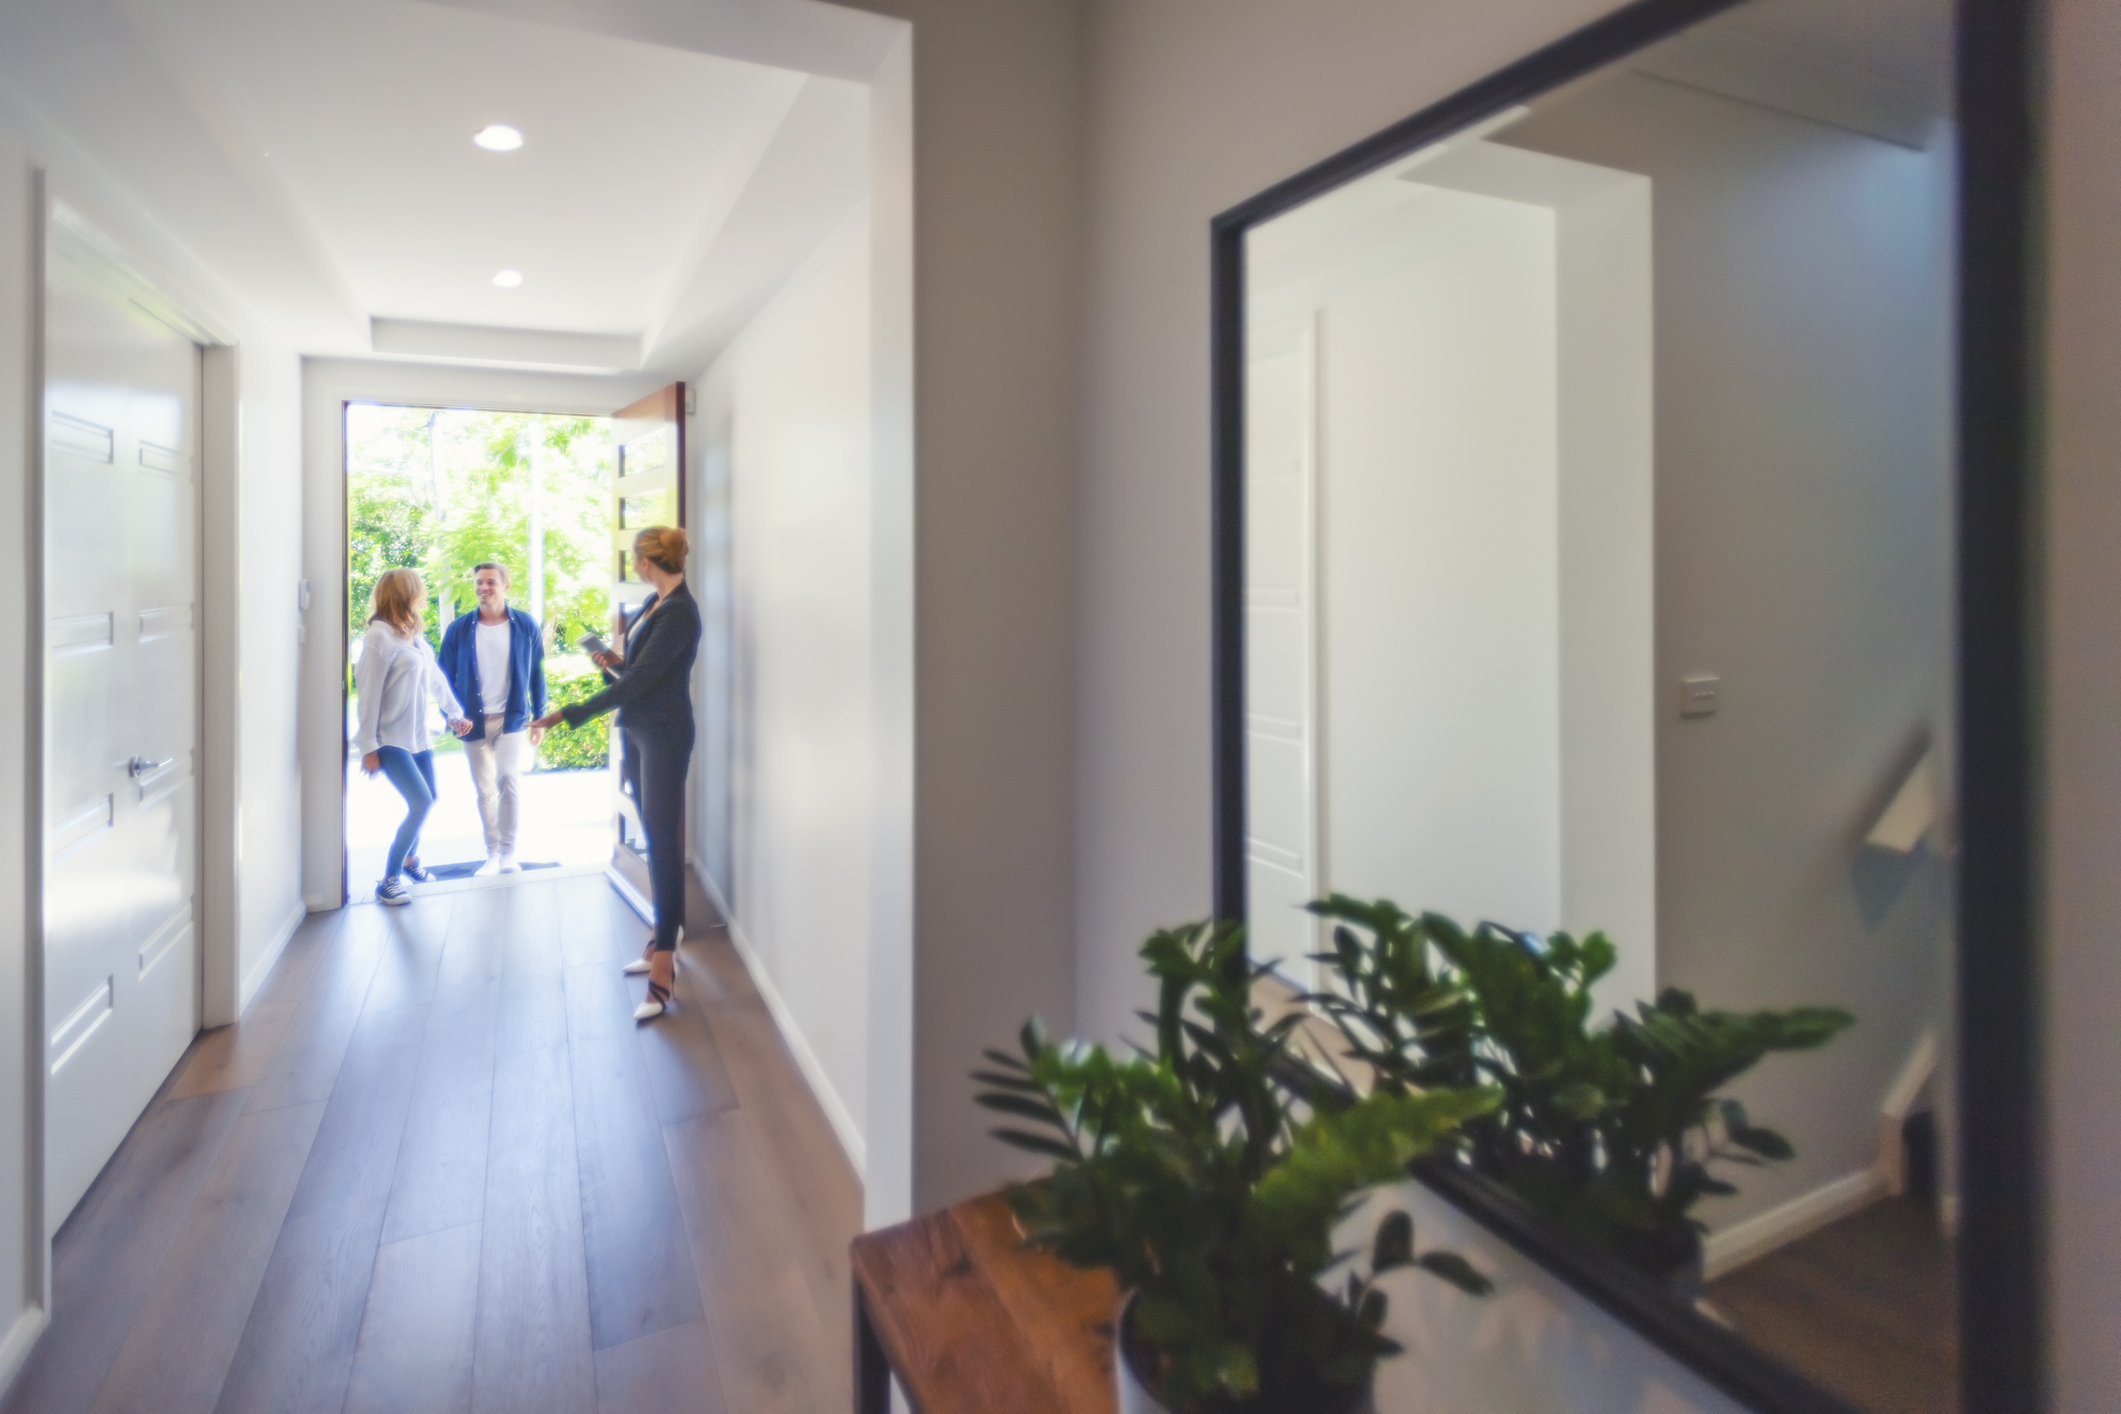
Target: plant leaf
x,y
1037,1144
1394,1244
1457,1271
1022,1106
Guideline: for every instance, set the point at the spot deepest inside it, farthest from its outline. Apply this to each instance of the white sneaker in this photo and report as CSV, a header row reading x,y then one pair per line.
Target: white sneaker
x,y
491,866
391,891
509,865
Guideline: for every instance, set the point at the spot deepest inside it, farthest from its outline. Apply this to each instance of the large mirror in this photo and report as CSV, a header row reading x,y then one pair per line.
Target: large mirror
x,y
1594,488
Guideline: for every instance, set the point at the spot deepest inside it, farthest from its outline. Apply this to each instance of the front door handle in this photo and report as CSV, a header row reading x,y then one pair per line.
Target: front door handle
x,y
141,766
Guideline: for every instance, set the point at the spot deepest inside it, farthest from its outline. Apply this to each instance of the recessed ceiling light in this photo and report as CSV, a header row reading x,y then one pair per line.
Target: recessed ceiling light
x,y
498,137
508,279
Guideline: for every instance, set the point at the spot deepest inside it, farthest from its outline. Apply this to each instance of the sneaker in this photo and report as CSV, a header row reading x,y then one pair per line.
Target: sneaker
x,y
393,891
414,871
491,866
509,865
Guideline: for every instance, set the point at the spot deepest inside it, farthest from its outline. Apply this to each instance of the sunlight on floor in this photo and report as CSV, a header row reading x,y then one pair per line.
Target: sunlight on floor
x,y
566,820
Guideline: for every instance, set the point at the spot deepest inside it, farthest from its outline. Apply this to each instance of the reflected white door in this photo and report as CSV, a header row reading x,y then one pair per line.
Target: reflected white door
x,y
121,428
1281,615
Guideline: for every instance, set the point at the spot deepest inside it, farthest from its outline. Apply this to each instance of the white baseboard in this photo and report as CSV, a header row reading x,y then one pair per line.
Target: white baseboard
x,y
322,903
1907,1088
843,1125
15,1347
1762,1233
262,968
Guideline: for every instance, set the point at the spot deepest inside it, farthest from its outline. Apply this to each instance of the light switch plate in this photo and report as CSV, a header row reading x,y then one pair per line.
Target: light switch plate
x,y
1699,694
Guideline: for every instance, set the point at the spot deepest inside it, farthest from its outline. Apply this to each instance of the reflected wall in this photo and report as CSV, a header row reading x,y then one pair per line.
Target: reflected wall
x,y
1598,497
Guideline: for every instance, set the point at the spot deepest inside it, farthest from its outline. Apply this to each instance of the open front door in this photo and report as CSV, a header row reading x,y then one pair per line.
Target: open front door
x,y
647,488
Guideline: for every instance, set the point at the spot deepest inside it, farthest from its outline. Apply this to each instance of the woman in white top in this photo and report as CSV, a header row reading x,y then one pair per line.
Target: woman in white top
x,y
399,684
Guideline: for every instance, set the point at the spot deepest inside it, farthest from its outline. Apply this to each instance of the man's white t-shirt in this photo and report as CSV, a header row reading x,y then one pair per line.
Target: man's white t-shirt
x,y
493,666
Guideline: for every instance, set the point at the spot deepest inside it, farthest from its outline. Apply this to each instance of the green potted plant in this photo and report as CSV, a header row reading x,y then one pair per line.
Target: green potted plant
x,y
1615,1131
1204,1176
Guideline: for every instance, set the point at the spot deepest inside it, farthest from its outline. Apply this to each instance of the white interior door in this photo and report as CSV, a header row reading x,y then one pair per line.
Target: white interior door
x,y
121,430
1281,647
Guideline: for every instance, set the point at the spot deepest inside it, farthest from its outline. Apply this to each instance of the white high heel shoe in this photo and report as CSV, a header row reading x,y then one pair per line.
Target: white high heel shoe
x,y
640,964
657,1003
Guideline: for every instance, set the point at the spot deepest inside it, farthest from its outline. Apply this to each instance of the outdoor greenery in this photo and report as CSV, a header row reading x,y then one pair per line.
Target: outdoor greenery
x,y
439,490
1615,1131
581,748
1204,1177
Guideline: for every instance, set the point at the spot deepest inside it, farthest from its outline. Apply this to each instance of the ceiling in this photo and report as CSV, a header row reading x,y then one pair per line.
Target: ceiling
x,y
317,158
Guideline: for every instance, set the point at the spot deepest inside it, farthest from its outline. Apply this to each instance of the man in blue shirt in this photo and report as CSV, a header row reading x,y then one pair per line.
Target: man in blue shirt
x,y
494,658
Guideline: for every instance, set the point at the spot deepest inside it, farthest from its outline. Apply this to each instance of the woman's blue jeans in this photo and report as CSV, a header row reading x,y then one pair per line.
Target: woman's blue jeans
x,y
413,773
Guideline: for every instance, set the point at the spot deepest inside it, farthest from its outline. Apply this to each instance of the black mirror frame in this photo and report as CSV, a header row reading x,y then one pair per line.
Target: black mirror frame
x,y
2001,1317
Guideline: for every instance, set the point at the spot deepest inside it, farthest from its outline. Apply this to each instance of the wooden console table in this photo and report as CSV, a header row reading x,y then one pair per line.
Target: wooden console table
x,y
972,1323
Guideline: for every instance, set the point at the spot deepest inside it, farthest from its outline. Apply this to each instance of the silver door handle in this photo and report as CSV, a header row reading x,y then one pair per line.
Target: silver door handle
x,y
141,766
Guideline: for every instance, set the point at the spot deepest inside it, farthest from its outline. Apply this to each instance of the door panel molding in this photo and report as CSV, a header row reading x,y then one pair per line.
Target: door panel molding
x,y
119,680
83,1022
80,633
78,437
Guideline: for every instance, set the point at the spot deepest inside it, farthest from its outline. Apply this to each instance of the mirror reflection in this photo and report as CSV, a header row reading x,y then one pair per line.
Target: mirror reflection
x,y
1599,582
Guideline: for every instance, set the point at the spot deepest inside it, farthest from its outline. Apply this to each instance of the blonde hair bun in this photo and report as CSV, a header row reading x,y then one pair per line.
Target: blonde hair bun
x,y
664,546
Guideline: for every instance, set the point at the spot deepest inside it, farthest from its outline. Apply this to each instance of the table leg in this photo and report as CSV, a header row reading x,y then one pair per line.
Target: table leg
x,y
872,1371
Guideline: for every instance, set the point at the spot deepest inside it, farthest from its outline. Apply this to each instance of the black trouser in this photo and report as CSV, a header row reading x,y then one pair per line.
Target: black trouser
x,y
653,765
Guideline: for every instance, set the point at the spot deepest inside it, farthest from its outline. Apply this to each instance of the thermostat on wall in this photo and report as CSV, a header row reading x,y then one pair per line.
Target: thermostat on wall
x,y
1699,694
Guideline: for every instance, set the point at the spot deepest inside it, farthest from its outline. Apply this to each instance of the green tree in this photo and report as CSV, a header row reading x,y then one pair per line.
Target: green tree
x,y
387,529
389,509
440,490
485,505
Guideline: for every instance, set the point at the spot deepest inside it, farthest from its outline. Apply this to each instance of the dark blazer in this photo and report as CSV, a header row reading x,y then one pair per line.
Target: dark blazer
x,y
654,689
459,660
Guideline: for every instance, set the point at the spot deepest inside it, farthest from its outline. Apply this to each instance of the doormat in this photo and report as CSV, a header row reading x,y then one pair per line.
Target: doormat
x,y
472,866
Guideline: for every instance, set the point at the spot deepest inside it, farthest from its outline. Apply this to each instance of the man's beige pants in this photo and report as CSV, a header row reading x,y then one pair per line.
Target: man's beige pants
x,y
497,763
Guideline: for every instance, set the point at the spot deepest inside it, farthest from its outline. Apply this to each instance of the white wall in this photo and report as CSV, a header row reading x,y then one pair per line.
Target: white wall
x,y
2082,811
995,113
783,438
1485,492
1803,553
1193,106
269,558
1604,421
1441,611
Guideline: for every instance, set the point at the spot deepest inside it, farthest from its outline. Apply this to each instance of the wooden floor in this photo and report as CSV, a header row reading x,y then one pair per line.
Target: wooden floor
x,y
1866,1307
438,1167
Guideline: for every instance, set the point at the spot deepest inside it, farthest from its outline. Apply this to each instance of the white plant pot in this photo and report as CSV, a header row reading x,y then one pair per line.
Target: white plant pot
x,y
1134,1396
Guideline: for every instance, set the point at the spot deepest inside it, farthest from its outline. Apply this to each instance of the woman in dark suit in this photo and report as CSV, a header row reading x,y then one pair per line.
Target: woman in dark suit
x,y
652,687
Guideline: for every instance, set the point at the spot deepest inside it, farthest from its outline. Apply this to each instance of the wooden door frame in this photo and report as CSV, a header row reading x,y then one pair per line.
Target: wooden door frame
x,y
627,871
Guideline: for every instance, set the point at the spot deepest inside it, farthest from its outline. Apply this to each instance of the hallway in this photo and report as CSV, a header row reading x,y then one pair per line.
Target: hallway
x,y
438,1167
